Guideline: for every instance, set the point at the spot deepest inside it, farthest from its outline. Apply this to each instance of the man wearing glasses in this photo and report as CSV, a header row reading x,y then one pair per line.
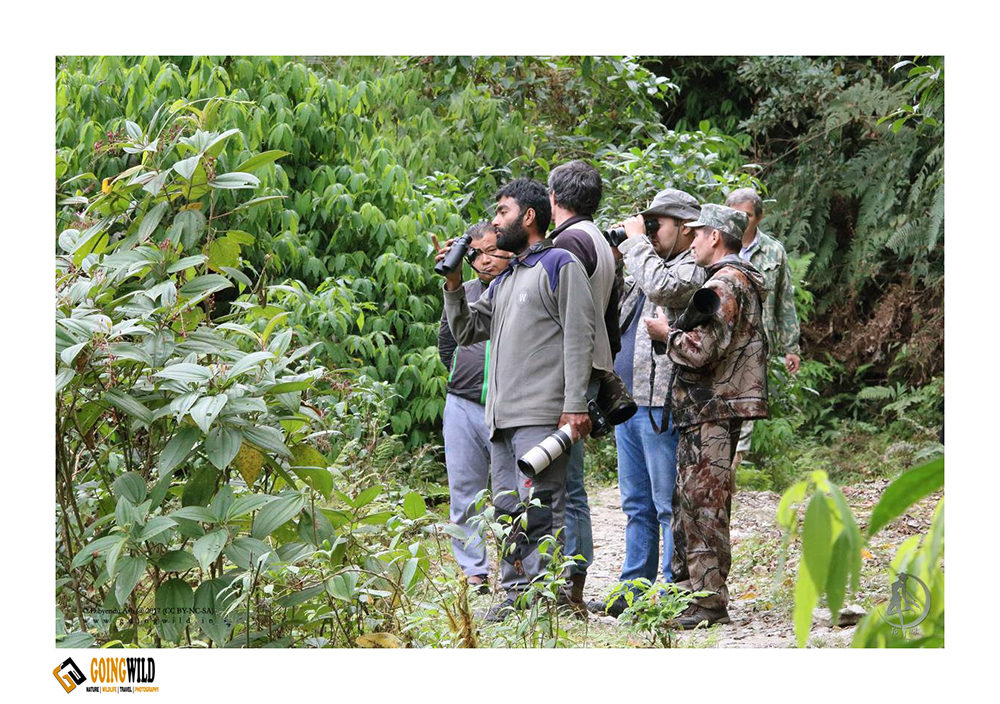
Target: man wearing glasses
x,y
466,437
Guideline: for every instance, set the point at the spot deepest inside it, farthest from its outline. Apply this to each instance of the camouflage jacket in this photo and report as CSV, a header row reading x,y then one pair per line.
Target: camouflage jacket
x,y
722,365
666,283
780,320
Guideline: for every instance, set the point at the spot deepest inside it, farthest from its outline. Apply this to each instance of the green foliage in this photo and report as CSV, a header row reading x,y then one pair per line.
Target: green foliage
x,y
652,607
832,547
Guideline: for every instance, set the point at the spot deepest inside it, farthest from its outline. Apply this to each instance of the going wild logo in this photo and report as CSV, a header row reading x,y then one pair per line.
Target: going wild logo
x,y
72,677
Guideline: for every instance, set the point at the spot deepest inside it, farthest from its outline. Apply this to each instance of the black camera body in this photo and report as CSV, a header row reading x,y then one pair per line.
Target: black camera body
x,y
616,235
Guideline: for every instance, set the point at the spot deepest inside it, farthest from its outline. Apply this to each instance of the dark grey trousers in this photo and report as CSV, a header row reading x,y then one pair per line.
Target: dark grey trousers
x,y
549,485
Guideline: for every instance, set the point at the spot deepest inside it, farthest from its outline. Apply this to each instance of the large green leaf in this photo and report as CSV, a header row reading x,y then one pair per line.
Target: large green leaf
x,y
816,539
132,486
259,160
96,548
155,526
210,607
151,220
235,180
222,445
275,514
208,547
910,487
836,581
127,404
805,601
207,283
75,640
192,225
174,602
244,552
177,449
207,409
200,488
248,362
414,506
185,371
176,561
267,438
248,503
130,571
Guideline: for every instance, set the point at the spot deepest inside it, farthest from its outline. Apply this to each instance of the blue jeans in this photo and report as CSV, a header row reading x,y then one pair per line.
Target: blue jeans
x,y
647,471
579,533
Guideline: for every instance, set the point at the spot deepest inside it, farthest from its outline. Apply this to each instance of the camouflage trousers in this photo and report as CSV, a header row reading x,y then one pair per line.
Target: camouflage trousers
x,y
702,507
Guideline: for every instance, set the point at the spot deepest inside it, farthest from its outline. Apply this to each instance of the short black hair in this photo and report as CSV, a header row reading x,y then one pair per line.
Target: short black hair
x,y
528,193
733,244
577,186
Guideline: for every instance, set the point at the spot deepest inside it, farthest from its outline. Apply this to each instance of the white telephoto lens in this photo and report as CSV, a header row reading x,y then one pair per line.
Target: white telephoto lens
x,y
541,455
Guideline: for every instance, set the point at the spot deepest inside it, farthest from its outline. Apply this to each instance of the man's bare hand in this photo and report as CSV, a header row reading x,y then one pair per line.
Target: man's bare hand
x,y
657,327
792,363
452,281
635,226
578,422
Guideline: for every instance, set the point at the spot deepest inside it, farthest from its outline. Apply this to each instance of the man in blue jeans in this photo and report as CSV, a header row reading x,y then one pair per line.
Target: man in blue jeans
x,y
575,190
661,272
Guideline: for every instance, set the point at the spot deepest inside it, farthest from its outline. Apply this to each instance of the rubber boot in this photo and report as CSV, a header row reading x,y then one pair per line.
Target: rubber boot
x,y
576,602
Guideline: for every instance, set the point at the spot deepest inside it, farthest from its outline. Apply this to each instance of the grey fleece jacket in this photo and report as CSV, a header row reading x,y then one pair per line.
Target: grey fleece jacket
x,y
540,317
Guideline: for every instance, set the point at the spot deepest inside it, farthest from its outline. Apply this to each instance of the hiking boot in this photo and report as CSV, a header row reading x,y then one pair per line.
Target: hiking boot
x,y
500,612
614,611
696,615
573,597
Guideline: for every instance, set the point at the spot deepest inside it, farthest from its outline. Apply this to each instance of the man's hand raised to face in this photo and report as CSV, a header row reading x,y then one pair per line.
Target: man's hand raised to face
x,y
452,281
635,226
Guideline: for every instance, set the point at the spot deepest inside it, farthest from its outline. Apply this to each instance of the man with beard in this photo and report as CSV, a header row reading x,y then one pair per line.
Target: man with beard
x,y
540,318
721,381
466,439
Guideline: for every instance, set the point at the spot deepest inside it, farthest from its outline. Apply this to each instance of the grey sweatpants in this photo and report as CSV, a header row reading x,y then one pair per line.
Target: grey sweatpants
x,y
467,457
549,487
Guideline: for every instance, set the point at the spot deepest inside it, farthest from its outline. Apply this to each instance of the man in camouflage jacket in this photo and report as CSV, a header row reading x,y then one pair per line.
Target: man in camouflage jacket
x,y
661,271
721,381
781,323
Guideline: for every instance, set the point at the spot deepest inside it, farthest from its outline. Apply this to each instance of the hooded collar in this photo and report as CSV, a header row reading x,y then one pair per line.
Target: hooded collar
x,y
735,262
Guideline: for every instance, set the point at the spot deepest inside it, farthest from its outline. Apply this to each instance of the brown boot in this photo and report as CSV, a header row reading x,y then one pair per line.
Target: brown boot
x,y
576,602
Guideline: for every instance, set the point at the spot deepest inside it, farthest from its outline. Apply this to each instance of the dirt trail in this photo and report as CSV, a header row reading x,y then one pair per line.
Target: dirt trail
x,y
757,622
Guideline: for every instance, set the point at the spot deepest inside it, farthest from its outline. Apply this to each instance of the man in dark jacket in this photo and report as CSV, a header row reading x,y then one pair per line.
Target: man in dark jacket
x,y
721,381
466,438
575,190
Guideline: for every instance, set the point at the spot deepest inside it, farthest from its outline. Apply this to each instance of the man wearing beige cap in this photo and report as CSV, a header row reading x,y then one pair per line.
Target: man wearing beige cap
x,y
721,381
660,272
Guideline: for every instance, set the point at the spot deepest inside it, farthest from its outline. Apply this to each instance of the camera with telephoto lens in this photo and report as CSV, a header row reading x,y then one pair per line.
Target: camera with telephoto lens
x,y
613,405
453,259
616,235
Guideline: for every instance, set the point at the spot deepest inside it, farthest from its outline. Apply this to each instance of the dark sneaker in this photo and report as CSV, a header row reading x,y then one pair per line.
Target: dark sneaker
x,y
500,612
696,615
615,610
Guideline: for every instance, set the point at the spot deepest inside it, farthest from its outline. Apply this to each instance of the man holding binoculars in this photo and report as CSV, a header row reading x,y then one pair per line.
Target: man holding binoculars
x,y
540,317
655,246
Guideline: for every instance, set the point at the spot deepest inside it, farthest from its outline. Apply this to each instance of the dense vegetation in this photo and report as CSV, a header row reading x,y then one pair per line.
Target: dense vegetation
x,y
248,386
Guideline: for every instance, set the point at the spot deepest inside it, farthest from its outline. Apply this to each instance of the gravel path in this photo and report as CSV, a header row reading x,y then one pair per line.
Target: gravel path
x,y
757,622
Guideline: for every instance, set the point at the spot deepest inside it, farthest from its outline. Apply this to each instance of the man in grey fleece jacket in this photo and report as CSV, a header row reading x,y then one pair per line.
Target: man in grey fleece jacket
x,y
540,317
